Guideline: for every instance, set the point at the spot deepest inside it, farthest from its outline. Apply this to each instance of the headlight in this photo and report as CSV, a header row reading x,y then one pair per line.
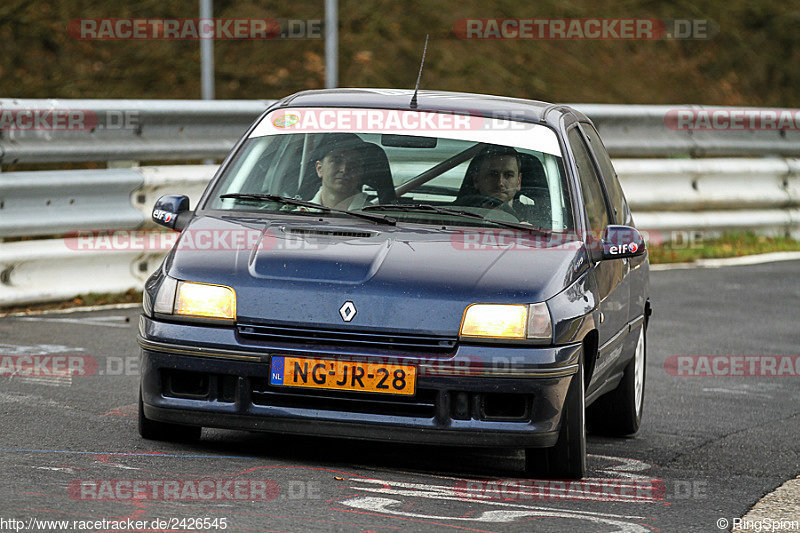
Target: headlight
x,y
508,321
495,321
205,301
198,300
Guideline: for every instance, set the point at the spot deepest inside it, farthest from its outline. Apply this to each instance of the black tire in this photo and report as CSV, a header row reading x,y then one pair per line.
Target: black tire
x,y
567,459
163,431
619,412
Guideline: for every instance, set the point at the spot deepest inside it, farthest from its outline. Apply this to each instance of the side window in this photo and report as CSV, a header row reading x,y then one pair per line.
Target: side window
x,y
609,174
593,198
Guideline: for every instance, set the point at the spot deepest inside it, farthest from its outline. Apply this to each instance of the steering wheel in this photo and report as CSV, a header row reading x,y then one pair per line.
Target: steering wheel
x,y
496,205
479,200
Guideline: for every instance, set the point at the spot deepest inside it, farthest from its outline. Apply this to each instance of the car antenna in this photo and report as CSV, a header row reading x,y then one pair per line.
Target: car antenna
x,y
419,76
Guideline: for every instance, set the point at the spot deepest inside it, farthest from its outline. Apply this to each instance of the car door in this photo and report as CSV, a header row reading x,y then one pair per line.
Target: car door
x,y
612,274
637,276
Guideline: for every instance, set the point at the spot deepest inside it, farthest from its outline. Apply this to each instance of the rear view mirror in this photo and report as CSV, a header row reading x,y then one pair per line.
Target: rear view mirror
x,y
622,241
408,141
172,211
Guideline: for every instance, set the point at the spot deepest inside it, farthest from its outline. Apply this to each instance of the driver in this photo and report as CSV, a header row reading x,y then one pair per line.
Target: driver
x,y
498,180
498,174
340,166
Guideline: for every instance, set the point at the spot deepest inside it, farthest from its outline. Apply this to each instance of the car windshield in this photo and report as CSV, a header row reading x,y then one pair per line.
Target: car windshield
x,y
452,178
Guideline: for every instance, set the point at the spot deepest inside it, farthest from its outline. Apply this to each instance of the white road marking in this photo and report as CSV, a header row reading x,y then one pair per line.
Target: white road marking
x,y
34,401
105,321
625,468
672,266
56,468
627,473
36,349
18,350
123,467
51,381
732,391
590,489
384,505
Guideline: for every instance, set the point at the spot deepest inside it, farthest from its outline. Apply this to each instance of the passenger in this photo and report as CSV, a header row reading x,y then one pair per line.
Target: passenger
x,y
339,164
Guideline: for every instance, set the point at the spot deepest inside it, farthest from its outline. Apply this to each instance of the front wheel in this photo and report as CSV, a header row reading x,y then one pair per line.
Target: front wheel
x,y
619,412
154,430
567,459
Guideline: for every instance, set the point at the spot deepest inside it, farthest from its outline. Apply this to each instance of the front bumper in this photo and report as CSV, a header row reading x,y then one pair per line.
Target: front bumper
x,y
460,397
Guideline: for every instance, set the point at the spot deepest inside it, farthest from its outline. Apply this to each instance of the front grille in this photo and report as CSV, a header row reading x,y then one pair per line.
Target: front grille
x,y
349,338
421,405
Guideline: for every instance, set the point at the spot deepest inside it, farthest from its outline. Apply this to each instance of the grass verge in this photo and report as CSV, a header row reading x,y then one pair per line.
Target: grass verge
x,y
726,245
84,300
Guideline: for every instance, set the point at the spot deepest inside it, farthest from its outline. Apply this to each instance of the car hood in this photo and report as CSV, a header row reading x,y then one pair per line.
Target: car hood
x,y
404,278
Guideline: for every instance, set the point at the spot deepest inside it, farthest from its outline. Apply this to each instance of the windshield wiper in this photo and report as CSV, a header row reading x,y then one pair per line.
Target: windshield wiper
x,y
454,212
380,219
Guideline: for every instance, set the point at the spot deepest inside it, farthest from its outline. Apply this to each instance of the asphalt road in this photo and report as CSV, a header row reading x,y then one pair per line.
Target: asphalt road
x,y
709,448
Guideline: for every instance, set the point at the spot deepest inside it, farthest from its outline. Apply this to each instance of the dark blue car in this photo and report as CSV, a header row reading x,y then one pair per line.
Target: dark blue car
x,y
460,269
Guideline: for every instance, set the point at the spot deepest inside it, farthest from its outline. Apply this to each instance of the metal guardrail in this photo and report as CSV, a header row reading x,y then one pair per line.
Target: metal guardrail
x,y
667,197
139,130
713,195
664,185
647,131
46,203
41,203
169,130
51,202
49,270
671,193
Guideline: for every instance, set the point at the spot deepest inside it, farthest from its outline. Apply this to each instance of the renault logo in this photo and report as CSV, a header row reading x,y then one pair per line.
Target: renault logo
x,y
348,311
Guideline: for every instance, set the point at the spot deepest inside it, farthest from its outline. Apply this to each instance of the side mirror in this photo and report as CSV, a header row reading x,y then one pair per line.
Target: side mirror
x,y
622,241
172,211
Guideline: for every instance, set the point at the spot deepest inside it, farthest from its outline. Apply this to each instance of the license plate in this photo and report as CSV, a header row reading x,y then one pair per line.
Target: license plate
x,y
342,375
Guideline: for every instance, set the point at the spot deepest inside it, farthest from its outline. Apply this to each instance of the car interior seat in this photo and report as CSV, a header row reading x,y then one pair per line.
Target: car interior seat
x,y
378,174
